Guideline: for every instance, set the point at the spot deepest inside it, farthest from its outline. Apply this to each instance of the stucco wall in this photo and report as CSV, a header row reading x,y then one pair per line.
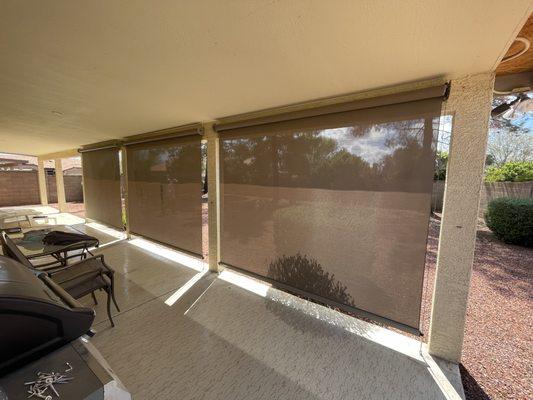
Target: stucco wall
x,y
22,187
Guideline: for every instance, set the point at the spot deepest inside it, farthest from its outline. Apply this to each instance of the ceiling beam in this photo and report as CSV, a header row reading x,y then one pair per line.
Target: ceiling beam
x,y
60,154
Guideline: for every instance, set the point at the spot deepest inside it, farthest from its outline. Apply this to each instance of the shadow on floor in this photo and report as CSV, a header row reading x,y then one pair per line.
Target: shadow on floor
x,y
472,390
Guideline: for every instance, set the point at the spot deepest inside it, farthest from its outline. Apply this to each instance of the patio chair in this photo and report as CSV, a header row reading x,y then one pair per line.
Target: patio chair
x,y
79,279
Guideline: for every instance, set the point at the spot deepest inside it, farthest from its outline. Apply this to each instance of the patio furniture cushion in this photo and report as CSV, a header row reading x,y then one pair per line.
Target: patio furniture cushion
x,y
65,238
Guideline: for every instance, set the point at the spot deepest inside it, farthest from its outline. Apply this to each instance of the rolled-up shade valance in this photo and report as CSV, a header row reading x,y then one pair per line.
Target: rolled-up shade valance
x,y
101,182
110,144
164,134
434,92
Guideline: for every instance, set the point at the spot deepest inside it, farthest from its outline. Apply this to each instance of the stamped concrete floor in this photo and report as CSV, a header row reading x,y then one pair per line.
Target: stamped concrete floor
x,y
184,333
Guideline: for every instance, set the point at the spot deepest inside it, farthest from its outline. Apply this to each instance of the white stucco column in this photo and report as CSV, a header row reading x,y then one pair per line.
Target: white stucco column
x,y
41,176
470,104
60,186
213,164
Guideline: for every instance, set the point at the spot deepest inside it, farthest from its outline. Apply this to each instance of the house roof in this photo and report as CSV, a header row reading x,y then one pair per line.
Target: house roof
x,y
77,73
25,161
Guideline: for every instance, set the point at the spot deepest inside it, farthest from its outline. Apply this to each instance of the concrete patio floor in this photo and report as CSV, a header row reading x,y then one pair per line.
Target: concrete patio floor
x,y
186,333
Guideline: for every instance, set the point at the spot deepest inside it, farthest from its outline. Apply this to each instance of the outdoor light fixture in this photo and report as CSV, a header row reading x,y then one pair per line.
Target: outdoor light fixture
x,y
504,107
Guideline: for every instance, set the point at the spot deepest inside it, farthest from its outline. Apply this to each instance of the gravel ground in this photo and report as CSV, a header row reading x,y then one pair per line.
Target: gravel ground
x,y
498,353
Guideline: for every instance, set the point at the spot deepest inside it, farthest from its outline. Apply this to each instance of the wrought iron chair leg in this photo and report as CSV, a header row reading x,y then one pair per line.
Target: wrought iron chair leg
x,y
114,300
109,307
112,289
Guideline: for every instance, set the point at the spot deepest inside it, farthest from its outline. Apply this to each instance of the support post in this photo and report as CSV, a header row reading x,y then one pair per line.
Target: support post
x,y
60,186
41,176
213,183
470,104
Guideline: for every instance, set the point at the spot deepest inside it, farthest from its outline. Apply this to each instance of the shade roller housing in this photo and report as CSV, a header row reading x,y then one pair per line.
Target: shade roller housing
x,y
165,191
164,134
101,182
110,144
335,205
433,92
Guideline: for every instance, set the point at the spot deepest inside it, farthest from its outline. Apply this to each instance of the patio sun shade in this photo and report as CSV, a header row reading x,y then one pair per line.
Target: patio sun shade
x,y
164,191
101,180
335,206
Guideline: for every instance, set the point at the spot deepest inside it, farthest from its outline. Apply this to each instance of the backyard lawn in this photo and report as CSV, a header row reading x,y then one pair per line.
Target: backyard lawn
x,y
498,353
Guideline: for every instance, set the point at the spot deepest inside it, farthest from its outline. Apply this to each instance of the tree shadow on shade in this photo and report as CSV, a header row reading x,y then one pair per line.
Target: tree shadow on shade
x,y
305,274
472,390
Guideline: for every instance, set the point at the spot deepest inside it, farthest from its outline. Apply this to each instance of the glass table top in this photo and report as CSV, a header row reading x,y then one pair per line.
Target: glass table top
x,y
30,241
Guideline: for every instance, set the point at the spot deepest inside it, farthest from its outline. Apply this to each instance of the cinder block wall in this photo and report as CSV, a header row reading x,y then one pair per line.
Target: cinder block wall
x,y
51,189
489,191
73,188
22,187
19,188
514,190
437,196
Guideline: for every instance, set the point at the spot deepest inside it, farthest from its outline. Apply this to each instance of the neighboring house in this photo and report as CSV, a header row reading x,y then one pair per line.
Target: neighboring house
x,y
21,162
72,171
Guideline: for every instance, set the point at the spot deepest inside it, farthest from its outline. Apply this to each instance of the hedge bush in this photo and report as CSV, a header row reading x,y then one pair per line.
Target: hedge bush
x,y
511,220
519,171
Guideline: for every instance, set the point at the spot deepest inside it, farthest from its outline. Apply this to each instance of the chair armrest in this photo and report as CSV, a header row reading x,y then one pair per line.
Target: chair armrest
x,y
102,262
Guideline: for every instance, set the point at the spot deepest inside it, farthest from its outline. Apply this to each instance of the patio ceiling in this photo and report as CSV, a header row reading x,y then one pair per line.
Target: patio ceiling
x,y
76,73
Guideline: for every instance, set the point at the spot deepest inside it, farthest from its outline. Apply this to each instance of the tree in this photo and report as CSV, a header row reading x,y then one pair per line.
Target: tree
x,y
509,143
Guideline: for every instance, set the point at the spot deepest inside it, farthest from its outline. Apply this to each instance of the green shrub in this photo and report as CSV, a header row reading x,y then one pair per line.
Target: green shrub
x,y
510,172
441,163
511,220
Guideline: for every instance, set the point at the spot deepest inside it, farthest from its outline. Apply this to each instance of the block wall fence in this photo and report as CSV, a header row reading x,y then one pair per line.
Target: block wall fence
x,y
489,191
22,188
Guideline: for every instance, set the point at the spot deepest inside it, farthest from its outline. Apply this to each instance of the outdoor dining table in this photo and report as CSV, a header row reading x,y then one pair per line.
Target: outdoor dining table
x,y
30,242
